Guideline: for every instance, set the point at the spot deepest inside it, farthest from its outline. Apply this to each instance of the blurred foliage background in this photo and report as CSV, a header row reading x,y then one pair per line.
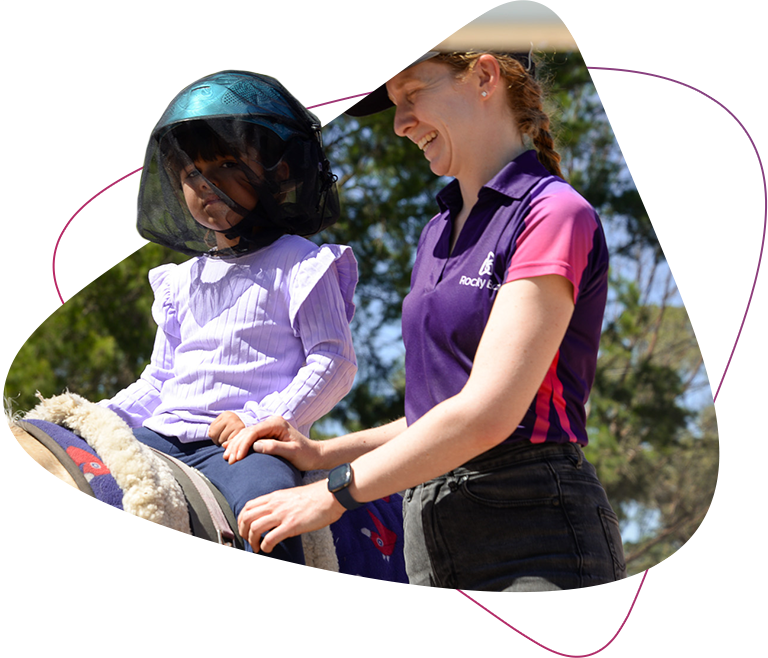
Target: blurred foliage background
x,y
688,478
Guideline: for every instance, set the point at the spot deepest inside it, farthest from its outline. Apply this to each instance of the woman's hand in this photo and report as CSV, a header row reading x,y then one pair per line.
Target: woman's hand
x,y
275,436
287,513
224,427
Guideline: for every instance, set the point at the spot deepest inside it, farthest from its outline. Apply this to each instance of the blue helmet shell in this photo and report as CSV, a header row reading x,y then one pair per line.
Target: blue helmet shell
x,y
251,97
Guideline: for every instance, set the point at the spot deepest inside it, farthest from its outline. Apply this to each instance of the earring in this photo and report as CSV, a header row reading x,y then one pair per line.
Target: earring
x,y
484,94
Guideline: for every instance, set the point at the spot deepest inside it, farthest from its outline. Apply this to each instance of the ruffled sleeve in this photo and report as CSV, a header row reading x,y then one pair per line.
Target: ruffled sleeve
x,y
163,312
312,269
138,401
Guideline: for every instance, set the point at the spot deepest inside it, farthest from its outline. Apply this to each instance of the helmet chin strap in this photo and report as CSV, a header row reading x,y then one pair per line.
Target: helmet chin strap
x,y
255,230
252,232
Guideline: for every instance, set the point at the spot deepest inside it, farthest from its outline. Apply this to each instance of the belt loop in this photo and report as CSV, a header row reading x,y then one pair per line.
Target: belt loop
x,y
580,453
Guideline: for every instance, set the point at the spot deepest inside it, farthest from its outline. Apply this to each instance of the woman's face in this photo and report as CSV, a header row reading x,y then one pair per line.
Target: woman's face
x,y
436,112
229,175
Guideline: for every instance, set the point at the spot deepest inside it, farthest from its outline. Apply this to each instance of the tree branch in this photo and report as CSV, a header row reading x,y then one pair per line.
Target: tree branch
x,y
675,527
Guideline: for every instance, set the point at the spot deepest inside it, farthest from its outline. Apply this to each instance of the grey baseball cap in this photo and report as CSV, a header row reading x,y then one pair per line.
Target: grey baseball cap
x,y
391,61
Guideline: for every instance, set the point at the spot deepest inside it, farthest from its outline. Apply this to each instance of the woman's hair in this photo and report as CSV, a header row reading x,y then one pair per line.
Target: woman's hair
x,y
525,98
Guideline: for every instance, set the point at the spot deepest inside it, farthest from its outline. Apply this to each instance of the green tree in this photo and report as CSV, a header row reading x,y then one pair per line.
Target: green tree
x,y
75,122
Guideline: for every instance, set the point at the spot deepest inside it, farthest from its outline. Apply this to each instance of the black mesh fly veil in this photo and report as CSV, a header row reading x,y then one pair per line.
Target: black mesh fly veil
x,y
265,145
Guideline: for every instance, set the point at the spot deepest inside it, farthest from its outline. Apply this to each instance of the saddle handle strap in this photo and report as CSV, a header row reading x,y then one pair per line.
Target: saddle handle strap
x,y
224,533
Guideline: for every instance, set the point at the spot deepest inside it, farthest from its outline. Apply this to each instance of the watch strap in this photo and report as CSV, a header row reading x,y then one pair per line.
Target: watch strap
x,y
345,498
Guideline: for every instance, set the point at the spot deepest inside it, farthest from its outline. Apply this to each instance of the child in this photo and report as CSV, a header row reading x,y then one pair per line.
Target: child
x,y
257,324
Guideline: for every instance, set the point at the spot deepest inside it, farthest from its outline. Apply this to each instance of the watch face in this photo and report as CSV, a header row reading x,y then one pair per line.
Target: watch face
x,y
339,477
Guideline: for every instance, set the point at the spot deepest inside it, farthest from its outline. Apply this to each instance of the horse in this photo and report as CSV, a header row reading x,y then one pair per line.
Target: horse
x,y
57,535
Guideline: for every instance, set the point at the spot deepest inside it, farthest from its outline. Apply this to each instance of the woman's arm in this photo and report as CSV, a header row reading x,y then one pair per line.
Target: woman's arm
x,y
525,329
275,436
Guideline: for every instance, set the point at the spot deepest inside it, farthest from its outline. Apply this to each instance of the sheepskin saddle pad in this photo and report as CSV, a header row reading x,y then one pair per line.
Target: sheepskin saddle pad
x,y
147,517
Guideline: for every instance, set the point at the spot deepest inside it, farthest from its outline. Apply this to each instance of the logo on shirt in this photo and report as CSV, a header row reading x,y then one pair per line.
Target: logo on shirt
x,y
486,269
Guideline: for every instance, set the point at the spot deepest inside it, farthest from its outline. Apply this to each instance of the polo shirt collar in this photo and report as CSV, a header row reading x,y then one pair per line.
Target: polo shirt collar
x,y
517,178
514,181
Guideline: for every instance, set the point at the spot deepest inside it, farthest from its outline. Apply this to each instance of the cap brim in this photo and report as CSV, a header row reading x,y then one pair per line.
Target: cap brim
x,y
372,78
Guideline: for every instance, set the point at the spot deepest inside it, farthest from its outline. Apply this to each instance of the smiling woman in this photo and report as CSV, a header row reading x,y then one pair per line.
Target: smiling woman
x,y
501,330
435,110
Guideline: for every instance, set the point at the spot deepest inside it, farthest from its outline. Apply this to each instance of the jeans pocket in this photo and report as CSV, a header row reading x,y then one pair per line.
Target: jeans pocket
x,y
610,524
511,487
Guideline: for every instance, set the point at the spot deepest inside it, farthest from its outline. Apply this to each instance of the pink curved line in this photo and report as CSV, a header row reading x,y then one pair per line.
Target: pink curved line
x,y
56,248
765,196
637,593
346,98
480,605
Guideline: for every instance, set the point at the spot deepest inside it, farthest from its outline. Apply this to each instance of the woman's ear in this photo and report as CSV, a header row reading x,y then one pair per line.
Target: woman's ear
x,y
488,74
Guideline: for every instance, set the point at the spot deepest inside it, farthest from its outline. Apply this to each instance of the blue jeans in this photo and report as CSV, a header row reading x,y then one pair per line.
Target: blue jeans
x,y
251,477
520,517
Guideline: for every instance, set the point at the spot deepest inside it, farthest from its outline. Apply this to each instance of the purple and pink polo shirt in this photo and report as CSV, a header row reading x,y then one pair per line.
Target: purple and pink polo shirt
x,y
526,223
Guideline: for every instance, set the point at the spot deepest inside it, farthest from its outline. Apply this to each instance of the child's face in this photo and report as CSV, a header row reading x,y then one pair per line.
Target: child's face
x,y
228,175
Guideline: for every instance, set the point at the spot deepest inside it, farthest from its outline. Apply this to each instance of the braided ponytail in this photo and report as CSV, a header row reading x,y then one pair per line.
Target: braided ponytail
x,y
524,95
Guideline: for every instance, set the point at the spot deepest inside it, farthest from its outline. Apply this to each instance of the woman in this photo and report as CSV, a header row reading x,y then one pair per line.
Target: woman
x,y
501,330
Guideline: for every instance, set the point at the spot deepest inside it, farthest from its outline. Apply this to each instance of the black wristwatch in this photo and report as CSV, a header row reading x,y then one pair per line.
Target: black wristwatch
x,y
339,480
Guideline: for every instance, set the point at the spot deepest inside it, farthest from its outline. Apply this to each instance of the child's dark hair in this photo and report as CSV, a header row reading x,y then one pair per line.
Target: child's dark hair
x,y
207,139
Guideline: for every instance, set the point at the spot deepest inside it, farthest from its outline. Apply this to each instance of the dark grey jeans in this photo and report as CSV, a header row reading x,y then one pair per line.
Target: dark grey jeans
x,y
520,517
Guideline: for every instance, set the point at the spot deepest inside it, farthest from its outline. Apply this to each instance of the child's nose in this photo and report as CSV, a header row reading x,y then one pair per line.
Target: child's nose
x,y
207,180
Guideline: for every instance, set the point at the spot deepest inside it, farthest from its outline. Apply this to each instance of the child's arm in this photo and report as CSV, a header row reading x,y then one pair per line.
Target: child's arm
x,y
321,320
138,401
330,366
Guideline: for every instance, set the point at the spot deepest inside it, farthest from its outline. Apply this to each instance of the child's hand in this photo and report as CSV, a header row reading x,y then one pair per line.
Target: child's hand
x,y
275,436
225,427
